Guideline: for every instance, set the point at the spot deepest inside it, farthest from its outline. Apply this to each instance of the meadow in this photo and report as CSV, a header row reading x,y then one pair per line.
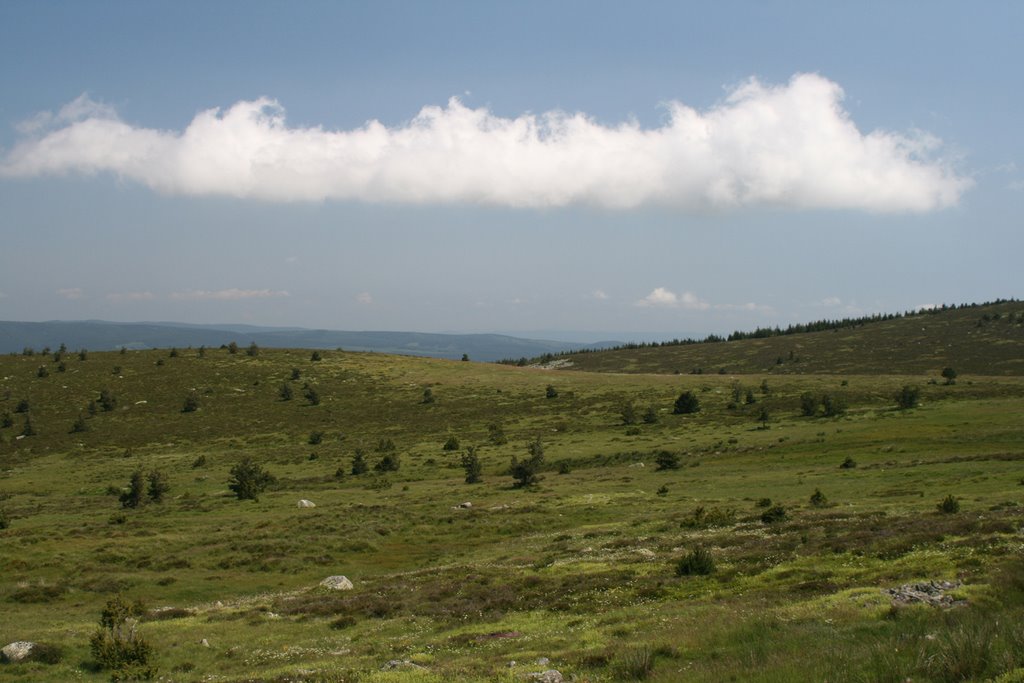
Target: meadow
x,y
747,541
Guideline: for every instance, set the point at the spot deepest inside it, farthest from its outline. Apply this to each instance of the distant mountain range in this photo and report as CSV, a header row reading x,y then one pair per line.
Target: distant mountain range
x,y
99,335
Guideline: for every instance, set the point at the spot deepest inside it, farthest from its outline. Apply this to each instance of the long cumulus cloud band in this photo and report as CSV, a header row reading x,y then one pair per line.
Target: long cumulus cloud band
x,y
791,146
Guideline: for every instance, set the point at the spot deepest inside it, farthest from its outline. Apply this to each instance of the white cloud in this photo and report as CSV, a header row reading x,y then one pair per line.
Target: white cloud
x,y
790,145
365,298
226,294
599,294
664,298
130,296
71,293
831,301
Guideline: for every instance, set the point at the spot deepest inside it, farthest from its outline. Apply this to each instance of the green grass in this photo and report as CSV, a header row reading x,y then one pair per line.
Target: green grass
x,y
580,569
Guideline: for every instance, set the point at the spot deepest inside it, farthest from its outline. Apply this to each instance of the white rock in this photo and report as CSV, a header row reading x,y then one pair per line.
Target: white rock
x,y
306,503
337,583
16,651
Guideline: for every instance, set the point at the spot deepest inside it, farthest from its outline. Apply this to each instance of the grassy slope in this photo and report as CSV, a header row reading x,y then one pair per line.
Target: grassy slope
x,y
579,569
971,340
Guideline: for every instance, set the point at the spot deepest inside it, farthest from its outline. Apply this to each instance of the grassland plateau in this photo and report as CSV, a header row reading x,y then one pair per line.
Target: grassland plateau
x,y
800,525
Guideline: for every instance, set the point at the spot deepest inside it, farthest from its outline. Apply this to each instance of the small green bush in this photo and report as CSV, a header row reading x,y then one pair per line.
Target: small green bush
x,y
667,460
315,437
698,562
775,513
949,505
46,653
686,404
908,397
452,444
848,464
117,646
633,664
249,479
818,499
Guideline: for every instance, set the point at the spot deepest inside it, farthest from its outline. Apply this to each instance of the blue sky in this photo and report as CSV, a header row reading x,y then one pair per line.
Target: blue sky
x,y
571,168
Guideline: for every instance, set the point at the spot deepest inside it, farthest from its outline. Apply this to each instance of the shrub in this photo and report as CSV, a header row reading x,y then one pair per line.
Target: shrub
x,y
389,463
629,416
79,425
5,521
191,403
698,562
452,444
525,471
233,348
764,503
633,664
83,354
848,464
6,420
132,497
311,395
763,416
775,513
471,466
428,395
564,467
662,490
173,353
496,434
46,653
633,431
686,404
650,415
551,392
117,646
385,445
253,350
833,406
667,460
808,404
199,462
158,486
359,465
315,437
818,499
249,479
315,356
42,371
28,429
21,406
949,374
296,374
285,392
908,397
949,505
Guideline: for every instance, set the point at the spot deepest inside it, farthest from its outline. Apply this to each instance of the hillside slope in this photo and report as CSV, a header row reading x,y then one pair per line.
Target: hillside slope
x,y
982,340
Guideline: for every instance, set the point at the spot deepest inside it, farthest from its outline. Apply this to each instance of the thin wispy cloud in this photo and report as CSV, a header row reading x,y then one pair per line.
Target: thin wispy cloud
x,y
790,145
130,296
226,294
71,293
364,298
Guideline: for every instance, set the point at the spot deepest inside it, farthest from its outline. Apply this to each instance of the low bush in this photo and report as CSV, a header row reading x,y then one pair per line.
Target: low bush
x,y
698,562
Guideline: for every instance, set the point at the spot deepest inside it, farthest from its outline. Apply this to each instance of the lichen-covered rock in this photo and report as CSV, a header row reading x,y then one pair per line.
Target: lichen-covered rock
x,y
306,503
402,665
549,676
336,583
16,651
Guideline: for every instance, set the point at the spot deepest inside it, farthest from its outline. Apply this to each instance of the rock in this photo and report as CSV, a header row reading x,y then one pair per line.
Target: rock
x,y
645,552
337,583
306,503
549,676
204,642
402,665
542,661
463,506
16,651
928,592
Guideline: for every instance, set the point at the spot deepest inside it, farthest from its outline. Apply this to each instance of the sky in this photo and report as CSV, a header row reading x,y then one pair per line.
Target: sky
x,y
578,170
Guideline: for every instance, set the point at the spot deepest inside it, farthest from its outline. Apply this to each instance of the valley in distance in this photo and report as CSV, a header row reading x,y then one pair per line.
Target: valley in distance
x,y
838,501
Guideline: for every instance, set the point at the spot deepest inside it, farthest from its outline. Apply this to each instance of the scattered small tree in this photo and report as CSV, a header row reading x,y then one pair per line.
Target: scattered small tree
x,y
385,445
233,348
848,464
818,499
775,513
107,401
551,392
132,496
471,465
763,417
311,395
359,465
117,646
764,387
253,350
390,462
5,521
285,392
173,353
686,404
249,479
21,406
949,505
158,486
315,356
428,395
651,415
908,397
452,444
832,406
465,358
6,420
629,416
698,562
315,437
808,404
525,472
950,375
42,372
83,354
296,374
28,429
750,398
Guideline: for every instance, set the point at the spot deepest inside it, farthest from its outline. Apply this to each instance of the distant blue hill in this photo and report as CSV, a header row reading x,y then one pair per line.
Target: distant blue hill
x,y
99,335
